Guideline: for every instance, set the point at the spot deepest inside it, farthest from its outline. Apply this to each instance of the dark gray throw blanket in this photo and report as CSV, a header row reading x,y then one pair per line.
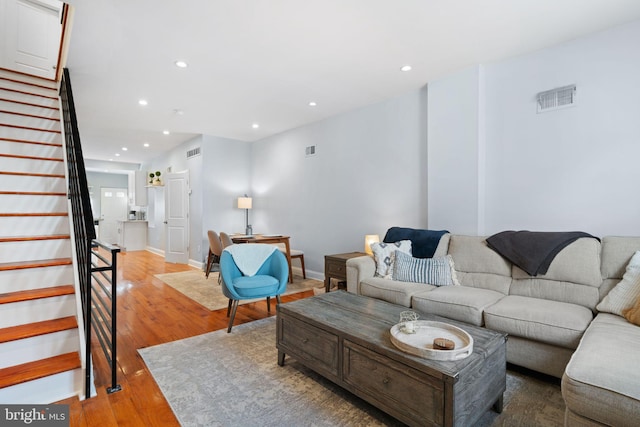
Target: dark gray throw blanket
x,y
533,251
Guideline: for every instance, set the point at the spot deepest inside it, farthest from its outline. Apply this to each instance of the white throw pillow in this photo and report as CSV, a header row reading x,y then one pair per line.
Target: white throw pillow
x,y
626,292
384,255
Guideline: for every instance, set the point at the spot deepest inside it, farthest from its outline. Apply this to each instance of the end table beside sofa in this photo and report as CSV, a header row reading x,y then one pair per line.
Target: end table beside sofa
x,y
549,318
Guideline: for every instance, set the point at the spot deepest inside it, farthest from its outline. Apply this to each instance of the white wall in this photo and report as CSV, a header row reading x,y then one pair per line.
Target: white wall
x,y
455,153
226,175
369,174
570,169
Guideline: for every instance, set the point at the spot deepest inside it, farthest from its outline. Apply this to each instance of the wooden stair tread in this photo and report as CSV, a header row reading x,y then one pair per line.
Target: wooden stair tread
x,y
33,294
20,214
28,83
39,369
9,125
26,141
41,175
34,238
32,193
30,104
18,156
33,116
21,73
20,332
23,92
5,266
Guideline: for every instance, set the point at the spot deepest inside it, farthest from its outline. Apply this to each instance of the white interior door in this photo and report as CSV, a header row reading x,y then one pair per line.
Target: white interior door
x,y
113,208
31,30
177,217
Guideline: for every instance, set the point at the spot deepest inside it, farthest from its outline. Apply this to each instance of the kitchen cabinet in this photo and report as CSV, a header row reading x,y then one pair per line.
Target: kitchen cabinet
x,y
132,235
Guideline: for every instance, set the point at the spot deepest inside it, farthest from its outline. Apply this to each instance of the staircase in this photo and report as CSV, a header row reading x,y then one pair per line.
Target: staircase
x,y
40,340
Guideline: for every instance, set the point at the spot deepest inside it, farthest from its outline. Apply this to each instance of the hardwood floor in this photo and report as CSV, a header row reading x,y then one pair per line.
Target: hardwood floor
x,y
149,313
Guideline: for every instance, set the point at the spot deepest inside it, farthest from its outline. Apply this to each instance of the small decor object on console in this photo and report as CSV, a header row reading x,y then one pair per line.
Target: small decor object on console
x,y
407,319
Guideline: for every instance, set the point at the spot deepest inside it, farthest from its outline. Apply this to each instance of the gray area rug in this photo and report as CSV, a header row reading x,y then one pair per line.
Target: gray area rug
x,y
208,293
220,379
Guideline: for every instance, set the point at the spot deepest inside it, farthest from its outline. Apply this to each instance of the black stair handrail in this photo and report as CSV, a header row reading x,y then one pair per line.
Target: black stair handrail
x,y
94,269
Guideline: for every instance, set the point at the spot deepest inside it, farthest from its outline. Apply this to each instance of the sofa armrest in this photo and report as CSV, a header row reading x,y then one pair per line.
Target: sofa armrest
x,y
358,269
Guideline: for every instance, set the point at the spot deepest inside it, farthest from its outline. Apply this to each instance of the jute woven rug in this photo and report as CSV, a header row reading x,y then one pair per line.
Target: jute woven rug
x,y
220,379
208,293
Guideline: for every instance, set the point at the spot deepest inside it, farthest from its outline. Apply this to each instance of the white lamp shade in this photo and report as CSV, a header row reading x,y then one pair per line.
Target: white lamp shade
x,y
244,202
368,240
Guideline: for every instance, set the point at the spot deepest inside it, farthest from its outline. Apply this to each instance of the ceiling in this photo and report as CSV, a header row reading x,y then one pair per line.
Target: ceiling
x,y
259,61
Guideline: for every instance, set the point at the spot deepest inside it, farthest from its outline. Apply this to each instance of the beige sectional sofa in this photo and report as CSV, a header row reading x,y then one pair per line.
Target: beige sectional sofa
x,y
549,318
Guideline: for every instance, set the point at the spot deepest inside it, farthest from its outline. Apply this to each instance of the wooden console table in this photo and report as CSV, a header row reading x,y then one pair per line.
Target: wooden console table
x,y
335,267
346,338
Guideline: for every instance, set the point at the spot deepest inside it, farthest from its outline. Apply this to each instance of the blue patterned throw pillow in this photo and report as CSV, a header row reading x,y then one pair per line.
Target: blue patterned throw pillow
x,y
437,271
384,255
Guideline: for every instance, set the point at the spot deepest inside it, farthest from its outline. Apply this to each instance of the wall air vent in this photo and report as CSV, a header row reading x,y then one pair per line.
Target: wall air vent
x,y
310,151
193,152
557,98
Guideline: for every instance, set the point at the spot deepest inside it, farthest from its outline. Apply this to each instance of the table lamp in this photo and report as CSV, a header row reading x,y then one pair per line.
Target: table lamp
x,y
245,203
368,240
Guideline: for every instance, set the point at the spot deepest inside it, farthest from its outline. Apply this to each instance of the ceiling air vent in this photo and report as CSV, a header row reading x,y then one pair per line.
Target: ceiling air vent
x,y
194,152
557,98
310,151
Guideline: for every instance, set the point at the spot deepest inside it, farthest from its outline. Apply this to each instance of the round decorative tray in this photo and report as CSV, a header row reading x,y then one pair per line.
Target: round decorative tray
x,y
420,342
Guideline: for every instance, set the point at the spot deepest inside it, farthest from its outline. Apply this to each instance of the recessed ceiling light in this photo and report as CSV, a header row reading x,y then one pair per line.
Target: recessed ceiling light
x,y
312,104
117,154
166,132
405,68
255,125
143,102
124,148
111,160
181,64
146,144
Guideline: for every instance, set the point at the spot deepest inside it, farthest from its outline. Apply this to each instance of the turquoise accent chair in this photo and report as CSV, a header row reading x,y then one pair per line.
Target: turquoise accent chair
x,y
270,280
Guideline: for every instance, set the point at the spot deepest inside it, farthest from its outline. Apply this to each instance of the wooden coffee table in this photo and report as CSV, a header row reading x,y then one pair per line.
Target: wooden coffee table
x,y
345,337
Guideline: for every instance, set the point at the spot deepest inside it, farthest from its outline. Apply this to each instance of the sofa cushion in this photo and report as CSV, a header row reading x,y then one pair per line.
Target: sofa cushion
x,y
392,291
385,254
551,322
602,377
456,302
479,266
434,271
625,293
573,276
424,242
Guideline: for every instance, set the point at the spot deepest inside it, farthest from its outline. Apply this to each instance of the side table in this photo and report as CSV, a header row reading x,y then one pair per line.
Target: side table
x,y
335,267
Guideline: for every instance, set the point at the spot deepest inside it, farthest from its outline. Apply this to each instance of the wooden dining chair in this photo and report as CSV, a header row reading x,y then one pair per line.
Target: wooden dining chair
x,y
215,250
295,253
225,239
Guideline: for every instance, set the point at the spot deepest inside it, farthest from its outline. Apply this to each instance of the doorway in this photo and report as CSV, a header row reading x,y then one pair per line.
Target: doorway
x,y
113,208
177,217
